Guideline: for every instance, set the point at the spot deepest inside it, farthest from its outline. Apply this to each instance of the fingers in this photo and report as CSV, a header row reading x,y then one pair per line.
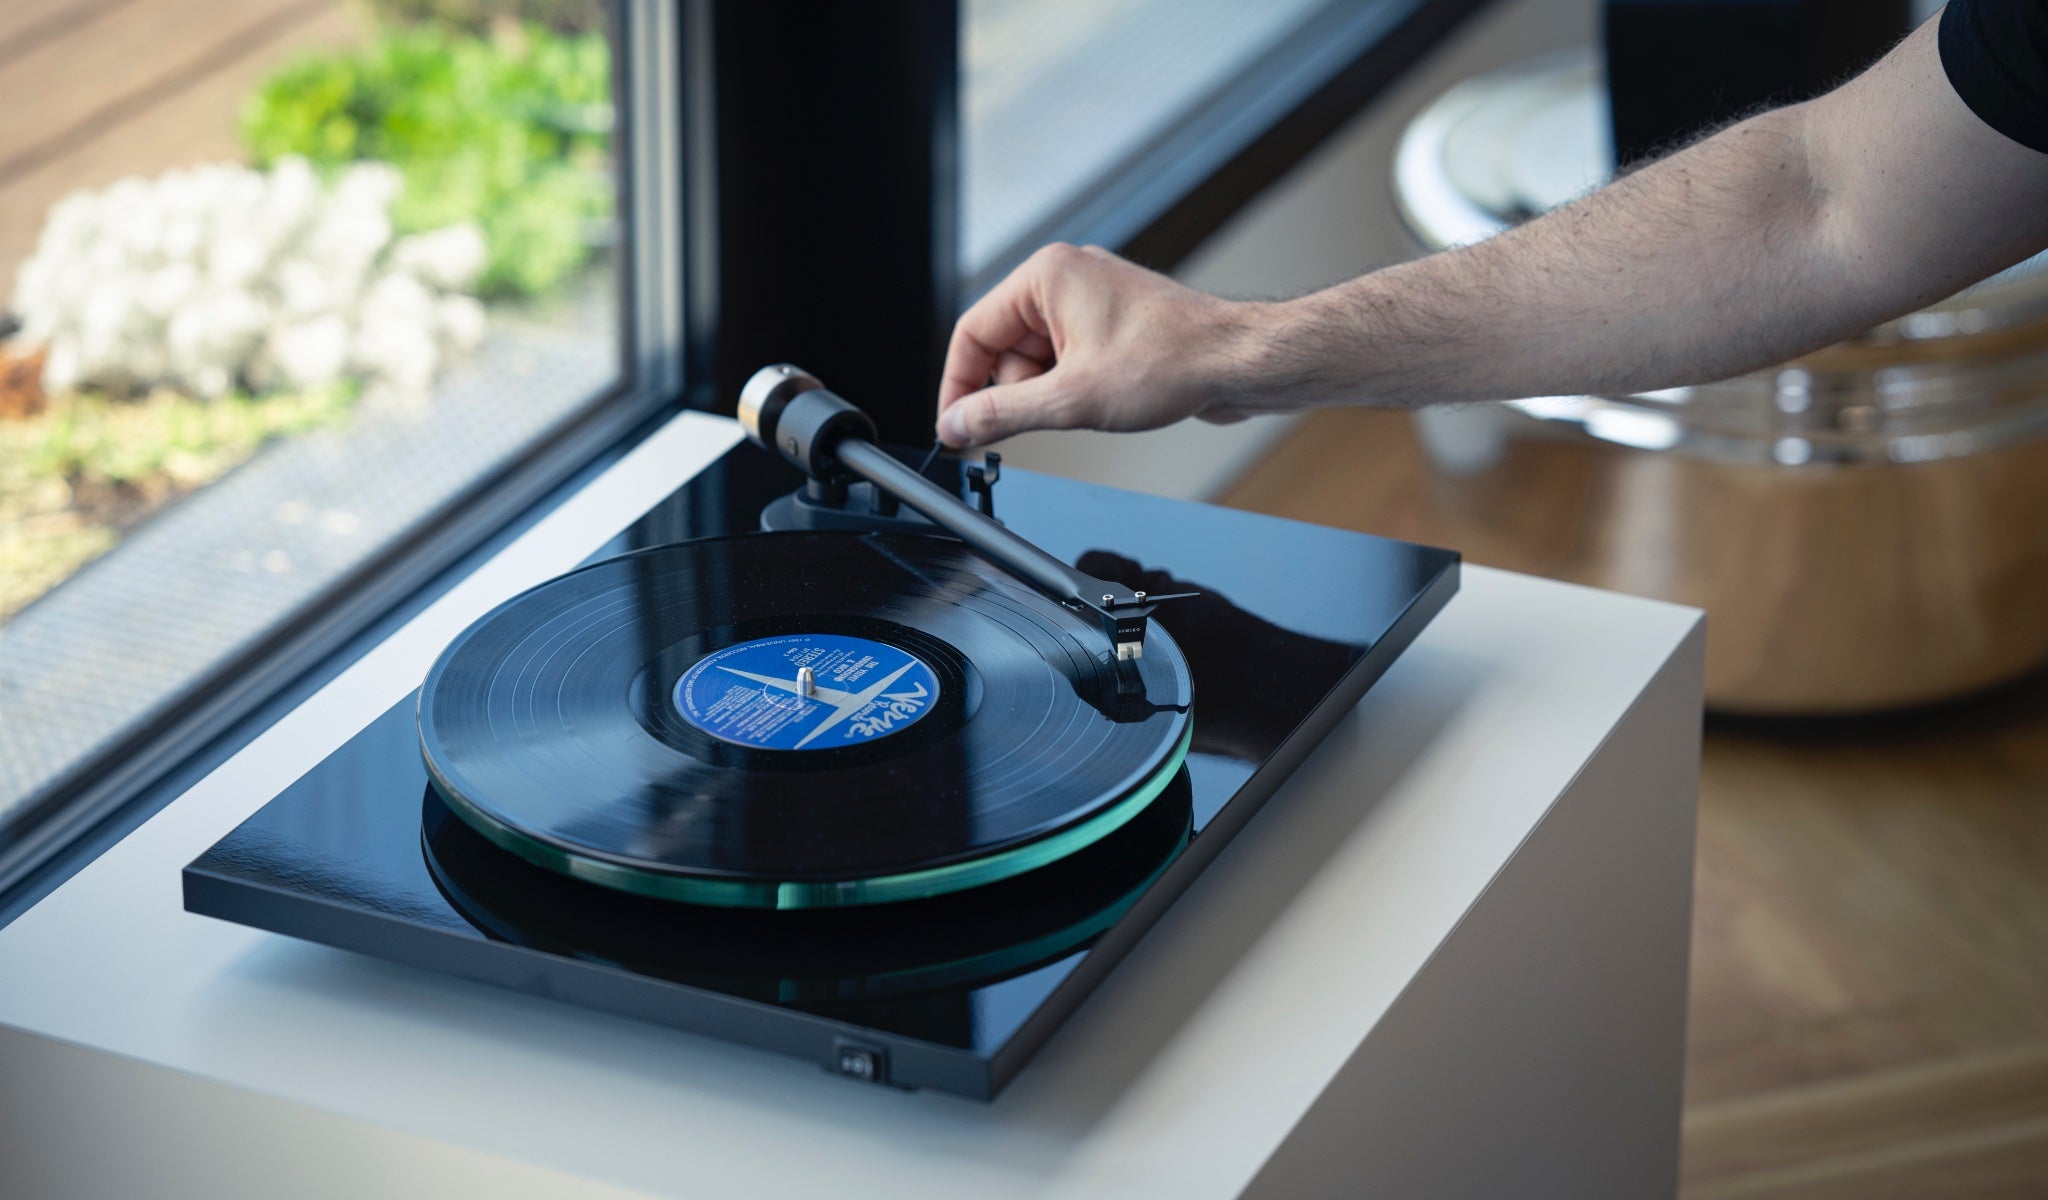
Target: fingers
x,y
1008,349
976,425
992,414
1014,367
1006,319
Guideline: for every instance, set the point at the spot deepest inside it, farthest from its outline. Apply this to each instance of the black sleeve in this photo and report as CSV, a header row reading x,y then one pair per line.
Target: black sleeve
x,y
1996,56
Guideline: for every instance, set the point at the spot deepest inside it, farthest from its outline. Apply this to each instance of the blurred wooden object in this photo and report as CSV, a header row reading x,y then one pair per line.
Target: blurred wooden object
x,y
1837,587
21,383
1870,959
98,89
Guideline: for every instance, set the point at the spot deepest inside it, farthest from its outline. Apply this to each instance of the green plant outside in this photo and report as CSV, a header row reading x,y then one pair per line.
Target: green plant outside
x,y
91,464
91,439
511,131
509,128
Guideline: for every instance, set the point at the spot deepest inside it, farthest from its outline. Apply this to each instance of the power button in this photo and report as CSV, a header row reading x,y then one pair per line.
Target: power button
x,y
857,1060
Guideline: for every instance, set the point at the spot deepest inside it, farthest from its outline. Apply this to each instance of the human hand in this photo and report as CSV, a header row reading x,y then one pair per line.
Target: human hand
x,y
1077,338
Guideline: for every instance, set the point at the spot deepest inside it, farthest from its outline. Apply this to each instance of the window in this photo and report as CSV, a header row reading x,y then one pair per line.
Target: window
x,y
1057,93
284,281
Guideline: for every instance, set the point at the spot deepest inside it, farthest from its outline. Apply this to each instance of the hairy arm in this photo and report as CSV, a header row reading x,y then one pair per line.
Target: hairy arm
x,y
1772,238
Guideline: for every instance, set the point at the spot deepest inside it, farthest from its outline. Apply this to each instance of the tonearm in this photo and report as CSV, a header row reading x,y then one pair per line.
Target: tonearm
x,y
788,411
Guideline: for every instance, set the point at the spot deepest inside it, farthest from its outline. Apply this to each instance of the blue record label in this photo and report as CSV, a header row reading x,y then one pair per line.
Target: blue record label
x,y
749,693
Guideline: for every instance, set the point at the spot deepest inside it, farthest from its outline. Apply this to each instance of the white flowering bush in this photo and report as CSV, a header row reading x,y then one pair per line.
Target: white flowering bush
x,y
221,278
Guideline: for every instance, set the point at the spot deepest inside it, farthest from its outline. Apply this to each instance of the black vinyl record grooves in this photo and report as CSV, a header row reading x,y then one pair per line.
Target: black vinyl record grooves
x,y
797,720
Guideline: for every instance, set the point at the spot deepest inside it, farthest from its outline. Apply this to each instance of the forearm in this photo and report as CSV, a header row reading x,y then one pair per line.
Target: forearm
x,y
1701,266
1775,237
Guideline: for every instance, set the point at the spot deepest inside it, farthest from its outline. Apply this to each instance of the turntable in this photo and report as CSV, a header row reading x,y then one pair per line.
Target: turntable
x,y
844,761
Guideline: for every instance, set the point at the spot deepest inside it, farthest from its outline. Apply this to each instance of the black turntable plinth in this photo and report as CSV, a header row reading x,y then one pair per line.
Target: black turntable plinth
x,y
1010,914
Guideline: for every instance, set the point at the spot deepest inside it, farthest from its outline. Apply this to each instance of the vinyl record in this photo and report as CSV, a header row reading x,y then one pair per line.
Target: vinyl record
x,y
640,723
813,956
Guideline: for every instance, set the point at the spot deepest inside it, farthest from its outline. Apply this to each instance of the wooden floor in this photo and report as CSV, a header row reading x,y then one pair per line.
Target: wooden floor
x,y
93,90
1870,951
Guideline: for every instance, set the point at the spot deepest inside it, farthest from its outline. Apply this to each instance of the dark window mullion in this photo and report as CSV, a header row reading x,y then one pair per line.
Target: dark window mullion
x,y
837,200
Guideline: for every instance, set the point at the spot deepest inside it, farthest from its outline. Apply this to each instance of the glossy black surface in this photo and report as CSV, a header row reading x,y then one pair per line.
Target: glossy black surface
x,y
1293,623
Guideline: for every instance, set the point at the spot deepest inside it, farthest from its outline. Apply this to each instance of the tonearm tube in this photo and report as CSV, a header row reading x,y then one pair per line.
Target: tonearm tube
x,y
787,410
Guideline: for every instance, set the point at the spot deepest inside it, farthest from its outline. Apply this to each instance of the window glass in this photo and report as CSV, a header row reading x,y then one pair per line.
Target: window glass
x,y
280,280
1055,93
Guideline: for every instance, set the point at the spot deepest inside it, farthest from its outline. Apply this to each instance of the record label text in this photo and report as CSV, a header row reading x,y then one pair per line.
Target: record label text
x,y
750,693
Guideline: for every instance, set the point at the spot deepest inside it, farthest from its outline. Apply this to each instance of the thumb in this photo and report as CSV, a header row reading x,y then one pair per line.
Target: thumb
x,y
994,413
